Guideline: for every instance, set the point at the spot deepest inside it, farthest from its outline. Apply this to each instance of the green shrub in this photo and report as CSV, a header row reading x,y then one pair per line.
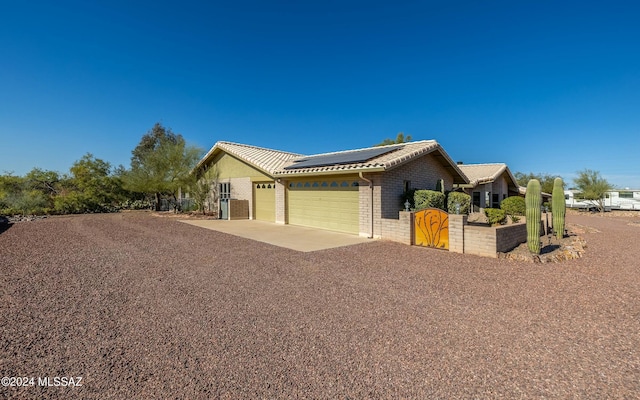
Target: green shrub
x,y
513,206
428,199
458,199
495,215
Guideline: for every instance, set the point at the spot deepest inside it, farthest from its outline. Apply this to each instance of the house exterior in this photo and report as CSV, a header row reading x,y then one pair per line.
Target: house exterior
x,y
355,191
488,184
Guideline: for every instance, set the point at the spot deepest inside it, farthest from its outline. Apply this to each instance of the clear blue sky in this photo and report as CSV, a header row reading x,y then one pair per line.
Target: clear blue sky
x,y
544,86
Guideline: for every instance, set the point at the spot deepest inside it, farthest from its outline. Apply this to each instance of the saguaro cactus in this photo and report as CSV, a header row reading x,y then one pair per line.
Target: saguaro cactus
x,y
533,200
558,207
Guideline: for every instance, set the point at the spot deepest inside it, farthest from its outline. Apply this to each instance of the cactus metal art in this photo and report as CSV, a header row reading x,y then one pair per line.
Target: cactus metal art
x,y
432,228
558,207
533,200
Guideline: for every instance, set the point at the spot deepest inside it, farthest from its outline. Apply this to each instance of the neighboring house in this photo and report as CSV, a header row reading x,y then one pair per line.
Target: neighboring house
x,y
488,185
355,191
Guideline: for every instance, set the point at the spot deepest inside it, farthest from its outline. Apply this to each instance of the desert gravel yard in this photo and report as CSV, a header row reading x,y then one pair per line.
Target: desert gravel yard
x,y
146,307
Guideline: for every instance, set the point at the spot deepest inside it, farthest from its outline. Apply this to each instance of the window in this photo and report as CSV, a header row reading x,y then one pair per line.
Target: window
x,y
476,200
225,190
626,195
406,185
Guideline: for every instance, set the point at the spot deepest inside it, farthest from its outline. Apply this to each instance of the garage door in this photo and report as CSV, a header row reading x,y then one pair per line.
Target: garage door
x,y
326,204
264,201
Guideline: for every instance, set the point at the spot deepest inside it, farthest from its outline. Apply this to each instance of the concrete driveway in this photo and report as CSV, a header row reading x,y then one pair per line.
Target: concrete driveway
x,y
293,237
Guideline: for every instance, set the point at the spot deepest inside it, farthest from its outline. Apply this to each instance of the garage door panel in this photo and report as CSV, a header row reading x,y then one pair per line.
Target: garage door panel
x,y
330,207
264,196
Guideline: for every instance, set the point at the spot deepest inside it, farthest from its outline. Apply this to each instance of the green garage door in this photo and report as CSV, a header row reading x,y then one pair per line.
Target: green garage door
x,y
326,204
264,201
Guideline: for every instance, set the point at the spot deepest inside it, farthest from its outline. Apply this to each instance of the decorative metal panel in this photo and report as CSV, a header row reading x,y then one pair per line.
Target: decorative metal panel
x,y
431,228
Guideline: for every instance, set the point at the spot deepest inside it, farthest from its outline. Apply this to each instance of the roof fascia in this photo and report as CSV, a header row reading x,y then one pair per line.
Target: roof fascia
x,y
331,172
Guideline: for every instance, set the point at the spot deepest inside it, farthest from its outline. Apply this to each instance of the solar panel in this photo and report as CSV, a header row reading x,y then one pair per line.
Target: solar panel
x,y
346,157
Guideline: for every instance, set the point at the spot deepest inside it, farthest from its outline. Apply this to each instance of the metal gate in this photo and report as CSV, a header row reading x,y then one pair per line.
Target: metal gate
x,y
431,227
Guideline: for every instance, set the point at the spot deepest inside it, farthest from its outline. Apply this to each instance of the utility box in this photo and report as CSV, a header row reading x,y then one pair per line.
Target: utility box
x,y
238,209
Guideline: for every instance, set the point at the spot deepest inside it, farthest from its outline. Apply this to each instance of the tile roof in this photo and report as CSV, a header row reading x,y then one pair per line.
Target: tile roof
x,y
267,160
397,155
274,162
482,173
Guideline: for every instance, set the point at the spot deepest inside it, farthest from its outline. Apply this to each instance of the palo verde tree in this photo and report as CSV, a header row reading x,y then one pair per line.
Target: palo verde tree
x,y
401,138
92,186
593,187
546,180
161,164
204,188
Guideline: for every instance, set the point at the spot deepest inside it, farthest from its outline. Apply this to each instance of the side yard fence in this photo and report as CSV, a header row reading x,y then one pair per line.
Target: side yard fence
x,y
486,241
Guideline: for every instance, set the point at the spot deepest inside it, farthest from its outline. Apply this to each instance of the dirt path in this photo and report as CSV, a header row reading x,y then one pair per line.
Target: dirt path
x,y
146,307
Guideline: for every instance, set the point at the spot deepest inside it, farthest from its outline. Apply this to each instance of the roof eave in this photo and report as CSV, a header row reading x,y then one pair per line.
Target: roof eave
x,y
284,175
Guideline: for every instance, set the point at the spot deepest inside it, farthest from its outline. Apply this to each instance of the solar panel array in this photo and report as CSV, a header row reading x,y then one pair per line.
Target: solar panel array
x,y
347,157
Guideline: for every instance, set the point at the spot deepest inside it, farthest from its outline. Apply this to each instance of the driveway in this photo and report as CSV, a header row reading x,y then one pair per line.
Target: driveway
x,y
293,237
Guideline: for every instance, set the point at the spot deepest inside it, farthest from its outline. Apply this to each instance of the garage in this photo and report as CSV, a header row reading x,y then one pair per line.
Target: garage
x,y
327,204
264,201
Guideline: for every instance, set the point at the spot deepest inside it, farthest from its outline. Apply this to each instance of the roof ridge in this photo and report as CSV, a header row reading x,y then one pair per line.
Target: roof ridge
x,y
370,147
224,142
481,164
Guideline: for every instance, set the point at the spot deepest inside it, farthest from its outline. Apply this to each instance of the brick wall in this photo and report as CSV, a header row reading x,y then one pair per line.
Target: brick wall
x,y
400,229
388,188
423,173
456,232
488,241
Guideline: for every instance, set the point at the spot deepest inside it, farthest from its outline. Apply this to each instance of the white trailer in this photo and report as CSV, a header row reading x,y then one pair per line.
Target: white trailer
x,y
618,199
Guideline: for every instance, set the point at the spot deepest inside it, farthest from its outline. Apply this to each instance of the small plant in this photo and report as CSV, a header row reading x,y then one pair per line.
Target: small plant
x,y
513,205
495,215
458,203
533,200
428,199
559,207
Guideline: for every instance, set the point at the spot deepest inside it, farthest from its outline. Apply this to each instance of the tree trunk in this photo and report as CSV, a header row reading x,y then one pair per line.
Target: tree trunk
x,y
157,201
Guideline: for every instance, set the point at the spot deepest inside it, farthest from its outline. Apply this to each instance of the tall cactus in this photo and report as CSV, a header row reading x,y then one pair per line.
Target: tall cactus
x,y
558,207
533,200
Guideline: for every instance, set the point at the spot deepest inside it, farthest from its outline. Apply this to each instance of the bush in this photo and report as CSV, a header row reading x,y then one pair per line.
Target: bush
x,y
428,199
460,199
513,205
495,215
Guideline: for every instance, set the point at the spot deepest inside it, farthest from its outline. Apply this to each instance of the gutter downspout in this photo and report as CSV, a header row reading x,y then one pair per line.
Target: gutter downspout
x,y
371,195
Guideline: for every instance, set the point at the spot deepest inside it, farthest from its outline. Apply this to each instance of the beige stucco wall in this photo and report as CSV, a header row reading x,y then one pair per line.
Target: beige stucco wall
x,y
231,167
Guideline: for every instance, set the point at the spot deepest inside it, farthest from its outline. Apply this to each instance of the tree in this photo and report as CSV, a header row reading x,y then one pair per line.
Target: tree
x,y
546,180
204,188
161,164
91,186
593,187
401,138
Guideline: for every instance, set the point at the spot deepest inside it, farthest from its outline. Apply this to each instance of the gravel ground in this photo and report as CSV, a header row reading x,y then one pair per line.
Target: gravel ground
x,y
147,307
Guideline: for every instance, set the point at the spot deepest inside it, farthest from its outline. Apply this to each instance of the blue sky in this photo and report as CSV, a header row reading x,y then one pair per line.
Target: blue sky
x,y
544,86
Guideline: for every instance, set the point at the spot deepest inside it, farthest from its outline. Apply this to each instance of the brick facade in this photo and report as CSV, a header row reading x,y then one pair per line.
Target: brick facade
x,y
388,187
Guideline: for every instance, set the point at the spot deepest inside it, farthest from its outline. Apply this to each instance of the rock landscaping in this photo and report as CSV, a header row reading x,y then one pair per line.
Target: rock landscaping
x,y
146,307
